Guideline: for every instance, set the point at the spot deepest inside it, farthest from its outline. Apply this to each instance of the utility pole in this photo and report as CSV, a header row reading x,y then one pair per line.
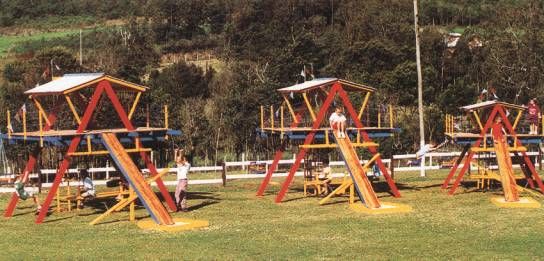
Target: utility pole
x,y
419,90
80,48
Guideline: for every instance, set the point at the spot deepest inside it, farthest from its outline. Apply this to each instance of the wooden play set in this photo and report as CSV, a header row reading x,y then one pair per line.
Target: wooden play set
x,y
310,123
95,94
498,136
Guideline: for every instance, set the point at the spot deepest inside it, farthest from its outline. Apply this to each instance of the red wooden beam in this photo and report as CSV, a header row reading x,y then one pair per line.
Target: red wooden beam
x,y
488,124
509,127
52,118
307,141
73,146
455,166
128,124
366,138
277,158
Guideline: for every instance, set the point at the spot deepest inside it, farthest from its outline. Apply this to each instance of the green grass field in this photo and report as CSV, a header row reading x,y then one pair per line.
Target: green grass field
x,y
242,227
8,41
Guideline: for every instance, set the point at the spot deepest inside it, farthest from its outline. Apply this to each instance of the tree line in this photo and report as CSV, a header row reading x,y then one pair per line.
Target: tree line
x,y
263,45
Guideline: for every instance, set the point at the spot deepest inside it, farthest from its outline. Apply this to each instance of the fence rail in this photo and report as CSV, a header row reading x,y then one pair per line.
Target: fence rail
x,y
431,162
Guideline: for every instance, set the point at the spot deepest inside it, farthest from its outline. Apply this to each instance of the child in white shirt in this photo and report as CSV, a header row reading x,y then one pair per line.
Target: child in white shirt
x,y
181,189
338,122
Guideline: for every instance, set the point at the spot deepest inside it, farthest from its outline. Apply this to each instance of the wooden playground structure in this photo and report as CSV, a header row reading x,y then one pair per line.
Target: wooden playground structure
x,y
85,97
493,133
308,122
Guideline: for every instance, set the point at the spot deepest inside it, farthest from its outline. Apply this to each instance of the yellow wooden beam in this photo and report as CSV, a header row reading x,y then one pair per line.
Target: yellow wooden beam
x,y
334,145
290,107
363,106
477,120
40,119
511,149
41,110
262,117
134,104
272,117
24,124
516,121
166,116
73,109
105,152
309,105
390,116
8,119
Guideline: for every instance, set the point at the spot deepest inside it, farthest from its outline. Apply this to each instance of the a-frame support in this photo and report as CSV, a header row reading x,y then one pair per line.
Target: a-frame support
x,y
336,89
103,86
497,109
33,157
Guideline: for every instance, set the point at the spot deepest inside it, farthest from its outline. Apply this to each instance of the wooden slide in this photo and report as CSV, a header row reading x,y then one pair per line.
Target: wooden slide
x,y
133,175
358,175
506,171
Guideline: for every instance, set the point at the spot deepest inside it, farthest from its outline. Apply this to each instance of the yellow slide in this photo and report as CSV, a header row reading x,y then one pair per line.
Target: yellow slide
x,y
505,169
360,180
133,175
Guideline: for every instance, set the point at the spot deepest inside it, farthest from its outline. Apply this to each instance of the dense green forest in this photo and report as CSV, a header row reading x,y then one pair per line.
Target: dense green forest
x,y
249,48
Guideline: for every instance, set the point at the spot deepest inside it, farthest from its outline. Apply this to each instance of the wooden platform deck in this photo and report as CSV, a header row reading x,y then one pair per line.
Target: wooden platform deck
x,y
71,133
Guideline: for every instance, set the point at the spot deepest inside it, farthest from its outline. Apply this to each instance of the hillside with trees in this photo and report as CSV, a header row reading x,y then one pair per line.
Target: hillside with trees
x,y
215,62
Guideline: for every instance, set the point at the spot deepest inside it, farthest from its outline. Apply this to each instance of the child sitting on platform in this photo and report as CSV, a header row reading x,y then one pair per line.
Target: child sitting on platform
x,y
24,195
87,190
325,177
337,121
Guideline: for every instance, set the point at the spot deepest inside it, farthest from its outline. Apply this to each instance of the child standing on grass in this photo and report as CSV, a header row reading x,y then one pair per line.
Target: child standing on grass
x,y
24,195
338,122
181,189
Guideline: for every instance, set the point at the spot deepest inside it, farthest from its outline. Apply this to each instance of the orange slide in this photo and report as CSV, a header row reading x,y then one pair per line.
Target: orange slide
x,y
360,180
504,161
133,175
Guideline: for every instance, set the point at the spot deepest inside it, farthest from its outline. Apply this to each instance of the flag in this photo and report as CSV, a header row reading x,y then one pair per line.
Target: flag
x,y
10,128
292,95
20,112
46,73
56,66
303,73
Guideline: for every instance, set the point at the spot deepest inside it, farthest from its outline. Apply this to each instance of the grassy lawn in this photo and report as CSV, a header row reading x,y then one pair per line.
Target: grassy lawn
x,y
464,226
8,41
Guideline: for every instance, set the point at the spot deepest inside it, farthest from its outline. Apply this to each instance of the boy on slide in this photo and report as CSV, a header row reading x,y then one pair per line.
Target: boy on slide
x,y
338,122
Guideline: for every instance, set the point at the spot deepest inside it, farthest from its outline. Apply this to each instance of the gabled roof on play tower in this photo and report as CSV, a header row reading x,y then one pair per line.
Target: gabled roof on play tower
x,y
76,81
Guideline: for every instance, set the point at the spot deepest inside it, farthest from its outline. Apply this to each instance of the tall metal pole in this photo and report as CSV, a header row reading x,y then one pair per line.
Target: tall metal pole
x,y
80,48
419,91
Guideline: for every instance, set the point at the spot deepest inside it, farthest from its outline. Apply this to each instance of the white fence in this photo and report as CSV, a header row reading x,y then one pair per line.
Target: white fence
x,y
432,162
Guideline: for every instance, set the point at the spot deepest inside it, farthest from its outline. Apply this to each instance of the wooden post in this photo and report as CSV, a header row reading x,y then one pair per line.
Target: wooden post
x,y
272,117
132,213
390,116
9,124
224,173
41,129
392,166
262,117
281,119
147,115
379,117
24,124
166,116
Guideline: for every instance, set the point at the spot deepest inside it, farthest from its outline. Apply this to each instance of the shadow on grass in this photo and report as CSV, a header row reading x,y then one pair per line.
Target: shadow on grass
x,y
203,204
